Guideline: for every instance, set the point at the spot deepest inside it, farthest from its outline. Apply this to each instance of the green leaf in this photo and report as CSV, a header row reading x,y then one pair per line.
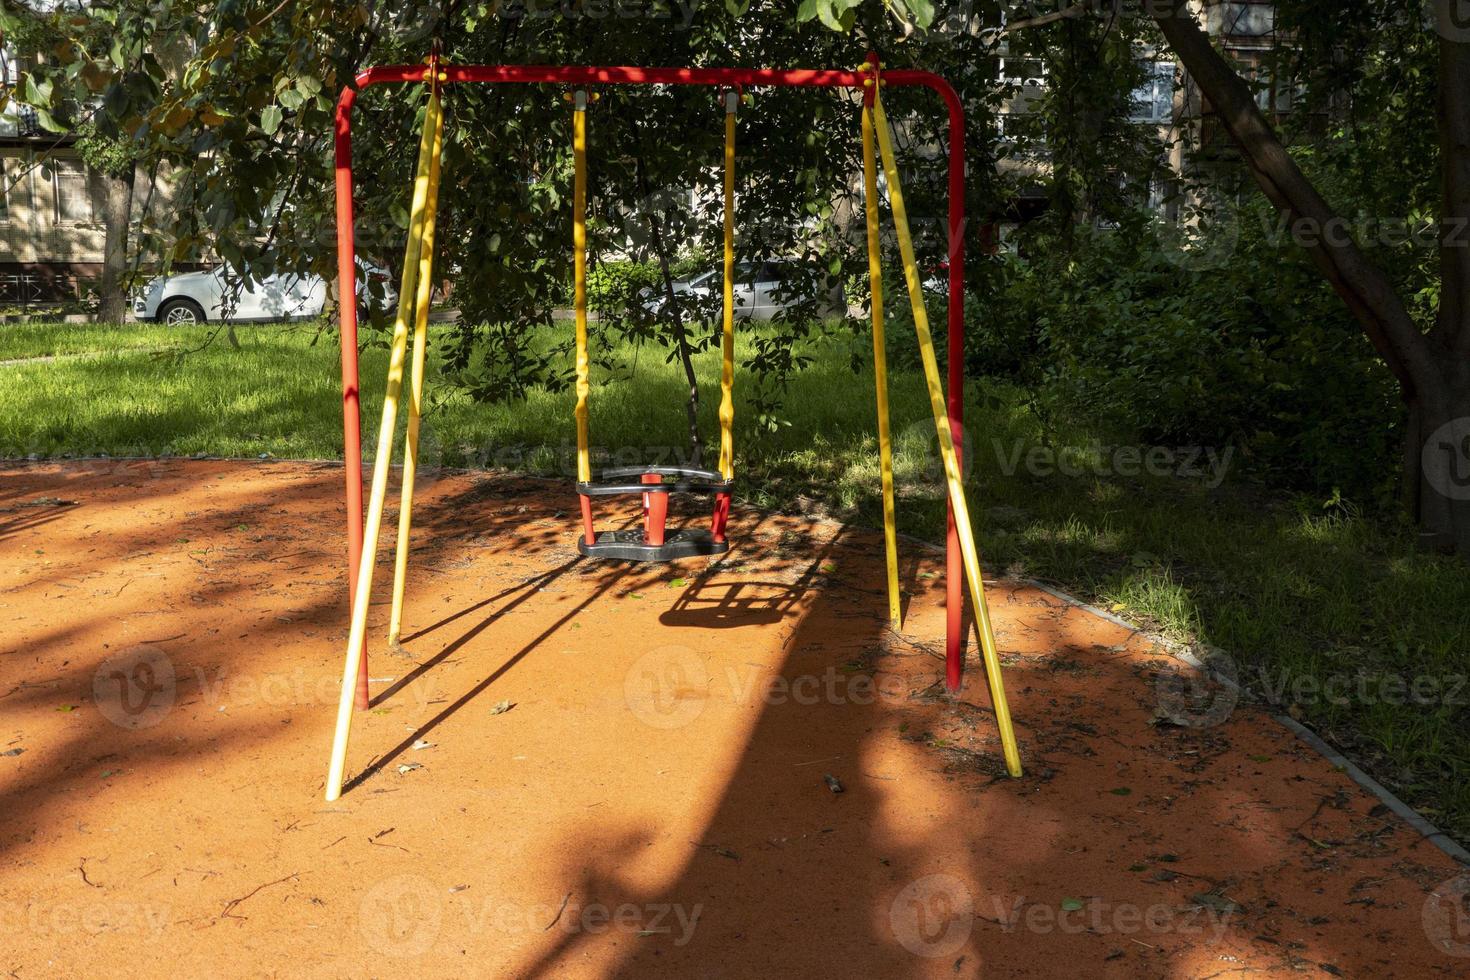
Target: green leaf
x,y
922,12
829,16
270,119
38,93
48,121
807,11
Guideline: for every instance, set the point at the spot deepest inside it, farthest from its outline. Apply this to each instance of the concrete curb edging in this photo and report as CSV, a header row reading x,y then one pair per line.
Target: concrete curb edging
x,y
1409,815
1180,651
23,318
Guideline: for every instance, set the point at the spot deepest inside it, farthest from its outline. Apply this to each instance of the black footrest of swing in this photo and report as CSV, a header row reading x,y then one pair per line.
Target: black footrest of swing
x,y
686,480
631,546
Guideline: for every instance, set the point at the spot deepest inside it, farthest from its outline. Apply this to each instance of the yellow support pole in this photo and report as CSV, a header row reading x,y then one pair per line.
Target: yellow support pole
x,y
880,368
727,340
416,377
374,518
946,444
579,276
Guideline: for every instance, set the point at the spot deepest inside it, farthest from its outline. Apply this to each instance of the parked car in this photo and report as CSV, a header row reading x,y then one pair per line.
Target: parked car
x,y
762,290
197,297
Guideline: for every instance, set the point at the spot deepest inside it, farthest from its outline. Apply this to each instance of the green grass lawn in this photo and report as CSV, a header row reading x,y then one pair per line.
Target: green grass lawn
x,y
22,340
1331,615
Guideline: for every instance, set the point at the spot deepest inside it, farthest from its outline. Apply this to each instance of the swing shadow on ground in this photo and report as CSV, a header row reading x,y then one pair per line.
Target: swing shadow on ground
x,y
522,593
742,603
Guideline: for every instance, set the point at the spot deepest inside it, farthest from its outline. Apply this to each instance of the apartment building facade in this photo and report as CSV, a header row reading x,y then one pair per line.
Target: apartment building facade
x,y
52,208
51,230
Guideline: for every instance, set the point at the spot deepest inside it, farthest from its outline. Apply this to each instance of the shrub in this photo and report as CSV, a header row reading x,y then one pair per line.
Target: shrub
x,y
1138,338
614,286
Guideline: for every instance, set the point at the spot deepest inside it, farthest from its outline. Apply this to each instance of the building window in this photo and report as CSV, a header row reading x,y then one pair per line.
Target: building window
x,y
1153,101
1243,18
5,189
1023,73
73,191
1275,94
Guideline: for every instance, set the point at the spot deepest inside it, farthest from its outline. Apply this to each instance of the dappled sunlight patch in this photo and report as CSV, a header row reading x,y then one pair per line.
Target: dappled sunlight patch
x,y
1152,594
1073,533
1338,530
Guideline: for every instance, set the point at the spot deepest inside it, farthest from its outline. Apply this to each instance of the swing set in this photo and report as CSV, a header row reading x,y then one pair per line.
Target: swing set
x,y
653,541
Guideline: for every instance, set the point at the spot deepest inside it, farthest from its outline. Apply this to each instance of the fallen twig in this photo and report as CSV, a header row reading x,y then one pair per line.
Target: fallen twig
x,y
565,899
228,912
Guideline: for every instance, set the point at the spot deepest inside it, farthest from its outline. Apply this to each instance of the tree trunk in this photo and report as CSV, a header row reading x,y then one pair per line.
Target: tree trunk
x,y
1439,424
1433,371
1443,408
681,341
117,213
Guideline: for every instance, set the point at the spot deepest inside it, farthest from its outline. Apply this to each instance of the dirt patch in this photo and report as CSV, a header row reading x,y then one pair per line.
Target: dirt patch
x,y
604,770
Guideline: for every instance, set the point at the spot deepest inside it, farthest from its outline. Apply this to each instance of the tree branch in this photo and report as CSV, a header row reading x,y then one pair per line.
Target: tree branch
x,y
1041,20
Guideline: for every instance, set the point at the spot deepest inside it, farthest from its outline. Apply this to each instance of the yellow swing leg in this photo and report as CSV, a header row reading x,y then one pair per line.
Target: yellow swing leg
x,y
579,287
971,555
880,369
727,335
423,205
416,385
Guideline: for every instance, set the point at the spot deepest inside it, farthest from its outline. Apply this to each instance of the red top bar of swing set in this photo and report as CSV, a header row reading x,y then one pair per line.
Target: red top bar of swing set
x,y
627,75
624,75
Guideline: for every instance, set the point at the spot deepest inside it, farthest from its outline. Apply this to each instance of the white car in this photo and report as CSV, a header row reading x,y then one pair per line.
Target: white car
x,y
761,290
216,294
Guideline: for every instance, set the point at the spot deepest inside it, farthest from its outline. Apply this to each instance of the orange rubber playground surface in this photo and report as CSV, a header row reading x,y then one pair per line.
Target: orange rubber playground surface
x,y
603,770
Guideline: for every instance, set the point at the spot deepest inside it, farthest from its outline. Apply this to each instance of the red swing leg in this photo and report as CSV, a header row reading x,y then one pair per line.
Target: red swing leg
x,y
655,512
588,532
721,516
